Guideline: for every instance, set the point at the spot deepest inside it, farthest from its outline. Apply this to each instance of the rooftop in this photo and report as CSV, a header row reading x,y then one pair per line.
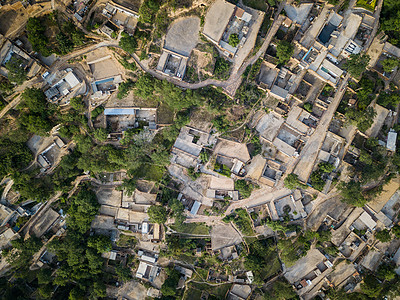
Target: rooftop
x,y
217,18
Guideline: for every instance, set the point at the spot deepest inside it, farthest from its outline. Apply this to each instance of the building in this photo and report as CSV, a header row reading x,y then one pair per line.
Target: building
x,y
120,119
62,87
224,19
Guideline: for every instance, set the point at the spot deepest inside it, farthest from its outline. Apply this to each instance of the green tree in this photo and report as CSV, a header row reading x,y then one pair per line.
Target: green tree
x,y
244,188
100,134
283,290
292,182
157,214
128,42
77,104
386,272
84,207
16,70
65,45
357,64
371,287
396,230
284,51
390,63
101,243
363,119
234,40
148,10
123,273
144,86
36,36
351,193
383,235
44,276
171,283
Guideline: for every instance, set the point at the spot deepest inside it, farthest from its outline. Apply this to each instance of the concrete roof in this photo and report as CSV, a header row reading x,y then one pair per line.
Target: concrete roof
x,y
367,220
195,208
233,150
372,260
269,125
256,167
293,119
103,222
304,265
217,18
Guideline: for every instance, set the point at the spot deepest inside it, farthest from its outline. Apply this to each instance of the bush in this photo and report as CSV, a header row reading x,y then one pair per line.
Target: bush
x,y
234,40
308,107
221,69
127,42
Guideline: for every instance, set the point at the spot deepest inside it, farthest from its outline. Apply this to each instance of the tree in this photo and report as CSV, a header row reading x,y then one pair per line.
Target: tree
x,y
234,40
35,100
396,230
386,272
65,45
389,99
363,119
357,64
371,287
157,214
170,284
326,167
383,236
244,188
351,193
148,10
36,36
16,70
144,86
123,273
283,290
292,182
77,104
127,42
100,134
44,276
308,107
284,51
390,63
101,243
84,207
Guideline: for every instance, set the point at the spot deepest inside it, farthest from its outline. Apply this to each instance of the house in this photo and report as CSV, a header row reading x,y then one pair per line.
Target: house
x,y
224,19
231,154
9,51
6,236
121,119
239,292
62,87
290,205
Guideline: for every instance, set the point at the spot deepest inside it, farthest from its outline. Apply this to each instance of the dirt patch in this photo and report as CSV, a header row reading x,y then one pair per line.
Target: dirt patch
x,y
5,18
201,119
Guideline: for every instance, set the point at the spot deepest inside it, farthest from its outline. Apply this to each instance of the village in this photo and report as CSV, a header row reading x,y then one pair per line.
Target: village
x,y
234,150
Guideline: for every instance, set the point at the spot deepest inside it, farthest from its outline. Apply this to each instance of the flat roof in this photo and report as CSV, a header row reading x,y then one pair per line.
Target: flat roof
x,y
217,18
195,207
71,79
391,141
